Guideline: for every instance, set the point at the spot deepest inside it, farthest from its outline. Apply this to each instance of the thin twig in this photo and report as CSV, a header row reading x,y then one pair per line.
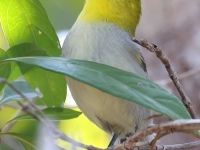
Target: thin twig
x,y
169,147
171,72
44,120
183,126
153,143
155,116
128,146
180,76
173,126
8,126
173,147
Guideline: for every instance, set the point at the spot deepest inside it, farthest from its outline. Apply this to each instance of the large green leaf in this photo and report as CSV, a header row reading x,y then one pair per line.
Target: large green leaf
x,y
51,85
114,81
4,68
9,94
27,21
54,114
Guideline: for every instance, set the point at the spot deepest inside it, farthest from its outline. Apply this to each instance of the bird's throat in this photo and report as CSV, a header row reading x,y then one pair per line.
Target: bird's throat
x,y
123,13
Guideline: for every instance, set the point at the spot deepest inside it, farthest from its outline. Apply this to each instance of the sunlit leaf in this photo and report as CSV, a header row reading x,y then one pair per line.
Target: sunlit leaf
x,y
51,85
22,50
27,21
4,68
114,81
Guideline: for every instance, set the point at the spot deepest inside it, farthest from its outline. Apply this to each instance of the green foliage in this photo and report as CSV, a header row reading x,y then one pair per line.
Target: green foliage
x,y
26,141
114,81
4,68
54,114
30,33
9,94
49,83
30,24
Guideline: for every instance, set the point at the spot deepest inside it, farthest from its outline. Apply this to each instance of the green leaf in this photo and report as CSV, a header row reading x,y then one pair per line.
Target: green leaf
x,y
116,82
9,94
27,21
21,50
25,49
4,68
54,114
25,140
15,72
51,85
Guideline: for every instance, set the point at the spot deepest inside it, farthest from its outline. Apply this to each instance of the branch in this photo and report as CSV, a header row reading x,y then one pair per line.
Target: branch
x,y
169,147
173,147
181,125
154,48
170,127
8,126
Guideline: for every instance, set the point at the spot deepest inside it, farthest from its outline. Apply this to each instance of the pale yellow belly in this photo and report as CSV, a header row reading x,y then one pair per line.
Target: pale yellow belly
x,y
120,115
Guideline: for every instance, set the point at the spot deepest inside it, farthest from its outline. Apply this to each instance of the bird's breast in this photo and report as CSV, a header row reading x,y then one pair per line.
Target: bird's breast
x,y
107,44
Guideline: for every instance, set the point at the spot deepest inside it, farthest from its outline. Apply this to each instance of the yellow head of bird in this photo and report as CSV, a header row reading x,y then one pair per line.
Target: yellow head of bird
x,y
123,13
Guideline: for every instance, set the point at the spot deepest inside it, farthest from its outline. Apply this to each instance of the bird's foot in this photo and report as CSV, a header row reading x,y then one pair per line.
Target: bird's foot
x,y
127,136
113,140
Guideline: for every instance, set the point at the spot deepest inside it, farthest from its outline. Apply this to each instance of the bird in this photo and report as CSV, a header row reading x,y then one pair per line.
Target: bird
x,y
103,33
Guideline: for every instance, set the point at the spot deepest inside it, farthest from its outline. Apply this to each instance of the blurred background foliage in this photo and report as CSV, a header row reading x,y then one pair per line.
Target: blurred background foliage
x,y
62,13
173,25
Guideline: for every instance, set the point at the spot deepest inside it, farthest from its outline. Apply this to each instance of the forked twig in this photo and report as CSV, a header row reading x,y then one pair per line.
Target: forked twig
x,y
154,48
184,126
